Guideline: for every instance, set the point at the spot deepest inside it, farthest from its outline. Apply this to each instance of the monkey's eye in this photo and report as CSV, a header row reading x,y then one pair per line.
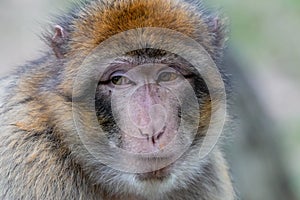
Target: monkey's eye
x,y
119,79
167,76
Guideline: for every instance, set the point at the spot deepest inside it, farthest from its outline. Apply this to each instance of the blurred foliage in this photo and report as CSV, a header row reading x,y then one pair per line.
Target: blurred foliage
x,y
266,31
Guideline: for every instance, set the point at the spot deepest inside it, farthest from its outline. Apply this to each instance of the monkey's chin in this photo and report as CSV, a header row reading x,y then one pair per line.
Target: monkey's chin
x,y
157,175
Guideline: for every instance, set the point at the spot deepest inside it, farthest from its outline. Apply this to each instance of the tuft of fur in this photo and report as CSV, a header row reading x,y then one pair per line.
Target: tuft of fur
x,y
41,155
96,21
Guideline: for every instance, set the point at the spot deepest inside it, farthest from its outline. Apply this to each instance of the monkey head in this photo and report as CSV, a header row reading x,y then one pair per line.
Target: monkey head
x,y
147,99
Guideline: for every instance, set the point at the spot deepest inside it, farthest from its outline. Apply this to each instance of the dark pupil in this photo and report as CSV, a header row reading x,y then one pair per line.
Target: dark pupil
x,y
116,79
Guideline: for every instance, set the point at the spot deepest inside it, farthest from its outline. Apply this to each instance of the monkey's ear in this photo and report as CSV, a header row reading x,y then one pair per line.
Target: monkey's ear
x,y
58,40
219,29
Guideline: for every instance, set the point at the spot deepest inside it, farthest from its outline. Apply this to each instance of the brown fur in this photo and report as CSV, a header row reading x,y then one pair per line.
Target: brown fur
x,y
101,22
41,156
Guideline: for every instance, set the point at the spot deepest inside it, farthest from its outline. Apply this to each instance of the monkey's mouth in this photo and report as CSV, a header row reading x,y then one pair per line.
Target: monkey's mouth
x,y
158,175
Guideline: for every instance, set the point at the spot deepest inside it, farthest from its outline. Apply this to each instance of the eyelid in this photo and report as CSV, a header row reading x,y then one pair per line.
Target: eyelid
x,y
167,70
182,70
112,68
118,73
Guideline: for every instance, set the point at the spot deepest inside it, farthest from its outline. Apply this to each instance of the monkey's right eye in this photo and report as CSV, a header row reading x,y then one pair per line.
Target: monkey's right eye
x,y
118,79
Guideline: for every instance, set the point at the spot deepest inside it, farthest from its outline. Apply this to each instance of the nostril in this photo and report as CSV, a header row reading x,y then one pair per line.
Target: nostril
x,y
154,137
158,135
144,134
153,140
161,133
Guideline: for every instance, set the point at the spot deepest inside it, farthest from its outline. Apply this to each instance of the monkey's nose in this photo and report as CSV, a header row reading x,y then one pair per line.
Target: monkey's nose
x,y
150,118
154,136
146,108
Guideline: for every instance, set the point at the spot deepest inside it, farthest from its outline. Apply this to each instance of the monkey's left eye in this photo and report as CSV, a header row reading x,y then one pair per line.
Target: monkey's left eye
x,y
119,79
167,76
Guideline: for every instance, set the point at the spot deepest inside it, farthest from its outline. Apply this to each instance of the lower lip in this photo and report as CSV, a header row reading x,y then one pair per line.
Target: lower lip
x,y
158,175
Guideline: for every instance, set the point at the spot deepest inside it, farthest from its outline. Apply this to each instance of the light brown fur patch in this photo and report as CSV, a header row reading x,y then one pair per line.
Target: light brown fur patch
x,y
98,23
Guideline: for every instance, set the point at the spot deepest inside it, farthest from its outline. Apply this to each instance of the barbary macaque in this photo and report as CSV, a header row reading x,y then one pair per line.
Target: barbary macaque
x,y
127,103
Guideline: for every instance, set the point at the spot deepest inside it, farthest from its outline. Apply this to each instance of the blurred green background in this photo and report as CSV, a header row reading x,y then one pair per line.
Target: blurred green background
x,y
264,33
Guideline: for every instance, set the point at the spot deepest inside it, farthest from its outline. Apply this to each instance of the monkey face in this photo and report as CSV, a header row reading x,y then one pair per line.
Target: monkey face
x,y
153,108
146,104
